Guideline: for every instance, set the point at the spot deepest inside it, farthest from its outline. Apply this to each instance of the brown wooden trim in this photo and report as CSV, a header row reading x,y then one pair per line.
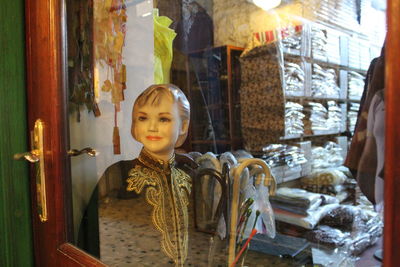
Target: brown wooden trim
x,y
46,69
43,46
46,99
392,155
230,92
67,183
232,47
75,255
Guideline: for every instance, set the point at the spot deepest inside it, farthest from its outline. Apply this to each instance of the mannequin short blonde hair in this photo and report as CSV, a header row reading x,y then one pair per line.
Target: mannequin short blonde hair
x,y
154,94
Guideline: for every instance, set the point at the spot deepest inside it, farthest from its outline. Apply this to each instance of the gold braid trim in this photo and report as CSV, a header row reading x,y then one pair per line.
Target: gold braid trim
x,y
182,190
140,177
173,243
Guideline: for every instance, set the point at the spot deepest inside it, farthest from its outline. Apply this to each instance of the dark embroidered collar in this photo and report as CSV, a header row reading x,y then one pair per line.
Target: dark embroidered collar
x,y
156,164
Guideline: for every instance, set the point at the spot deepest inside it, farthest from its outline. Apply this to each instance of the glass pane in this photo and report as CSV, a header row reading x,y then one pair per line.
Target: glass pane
x,y
278,161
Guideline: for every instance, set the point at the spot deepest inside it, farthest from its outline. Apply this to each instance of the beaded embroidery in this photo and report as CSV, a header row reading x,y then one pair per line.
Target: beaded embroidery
x,y
169,201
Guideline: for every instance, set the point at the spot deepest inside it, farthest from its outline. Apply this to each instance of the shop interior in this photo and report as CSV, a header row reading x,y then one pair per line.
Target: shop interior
x,y
281,102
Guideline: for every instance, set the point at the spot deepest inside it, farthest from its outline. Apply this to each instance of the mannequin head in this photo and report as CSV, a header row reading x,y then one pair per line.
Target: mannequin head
x,y
160,119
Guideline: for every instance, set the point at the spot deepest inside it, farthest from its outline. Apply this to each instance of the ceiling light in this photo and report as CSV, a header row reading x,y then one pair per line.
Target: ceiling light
x,y
266,4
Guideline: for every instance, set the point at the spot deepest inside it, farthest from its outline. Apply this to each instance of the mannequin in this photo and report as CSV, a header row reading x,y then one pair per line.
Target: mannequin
x,y
155,184
160,121
161,109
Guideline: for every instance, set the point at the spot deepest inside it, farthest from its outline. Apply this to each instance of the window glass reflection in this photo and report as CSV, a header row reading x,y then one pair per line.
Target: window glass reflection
x,y
282,161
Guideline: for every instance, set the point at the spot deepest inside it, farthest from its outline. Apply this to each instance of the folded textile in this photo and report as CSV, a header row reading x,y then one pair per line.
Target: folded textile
x,y
295,196
307,222
281,155
356,83
324,177
295,209
323,189
328,156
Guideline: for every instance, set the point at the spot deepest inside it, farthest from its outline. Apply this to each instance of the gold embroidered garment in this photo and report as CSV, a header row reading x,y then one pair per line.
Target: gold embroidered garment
x,y
167,190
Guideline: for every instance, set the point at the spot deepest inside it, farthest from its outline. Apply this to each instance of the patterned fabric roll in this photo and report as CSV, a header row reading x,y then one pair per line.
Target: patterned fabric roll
x,y
261,97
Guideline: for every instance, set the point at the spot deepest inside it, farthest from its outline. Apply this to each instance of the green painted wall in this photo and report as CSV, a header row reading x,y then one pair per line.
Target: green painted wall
x,y
16,247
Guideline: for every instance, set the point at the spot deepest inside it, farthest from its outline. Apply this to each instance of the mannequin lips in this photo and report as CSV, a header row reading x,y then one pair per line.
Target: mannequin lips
x,y
153,138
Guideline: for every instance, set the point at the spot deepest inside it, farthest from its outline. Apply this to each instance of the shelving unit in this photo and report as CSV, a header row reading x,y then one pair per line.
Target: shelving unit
x,y
213,80
344,99
304,57
213,77
343,57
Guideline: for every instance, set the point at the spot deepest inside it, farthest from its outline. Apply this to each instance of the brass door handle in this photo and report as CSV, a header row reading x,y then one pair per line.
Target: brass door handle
x,y
87,150
36,156
29,156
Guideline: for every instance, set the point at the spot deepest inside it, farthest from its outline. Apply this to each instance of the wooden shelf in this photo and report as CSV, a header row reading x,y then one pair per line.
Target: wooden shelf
x,y
354,100
298,136
310,98
324,63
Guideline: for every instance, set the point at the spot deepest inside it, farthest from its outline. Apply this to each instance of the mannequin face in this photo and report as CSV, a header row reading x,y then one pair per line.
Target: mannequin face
x,y
158,127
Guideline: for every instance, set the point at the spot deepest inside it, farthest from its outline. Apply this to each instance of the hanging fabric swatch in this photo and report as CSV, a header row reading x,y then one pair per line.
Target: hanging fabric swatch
x,y
80,62
109,37
163,39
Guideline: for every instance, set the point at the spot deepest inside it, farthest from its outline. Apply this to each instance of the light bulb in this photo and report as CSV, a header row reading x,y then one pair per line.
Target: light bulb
x,y
267,4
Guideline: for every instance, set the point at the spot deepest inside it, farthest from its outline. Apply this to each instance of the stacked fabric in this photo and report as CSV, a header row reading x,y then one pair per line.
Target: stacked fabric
x,y
280,154
327,156
286,162
334,121
292,40
318,43
342,13
300,207
326,181
352,115
294,78
292,202
355,85
294,119
324,82
317,117
333,45
354,52
322,120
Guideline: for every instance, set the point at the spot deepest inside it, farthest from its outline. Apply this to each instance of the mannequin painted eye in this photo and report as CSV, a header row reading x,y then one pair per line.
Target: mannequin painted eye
x,y
165,119
142,118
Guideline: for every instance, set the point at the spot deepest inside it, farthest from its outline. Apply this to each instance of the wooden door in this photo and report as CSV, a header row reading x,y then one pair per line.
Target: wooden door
x,y
45,37
45,29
